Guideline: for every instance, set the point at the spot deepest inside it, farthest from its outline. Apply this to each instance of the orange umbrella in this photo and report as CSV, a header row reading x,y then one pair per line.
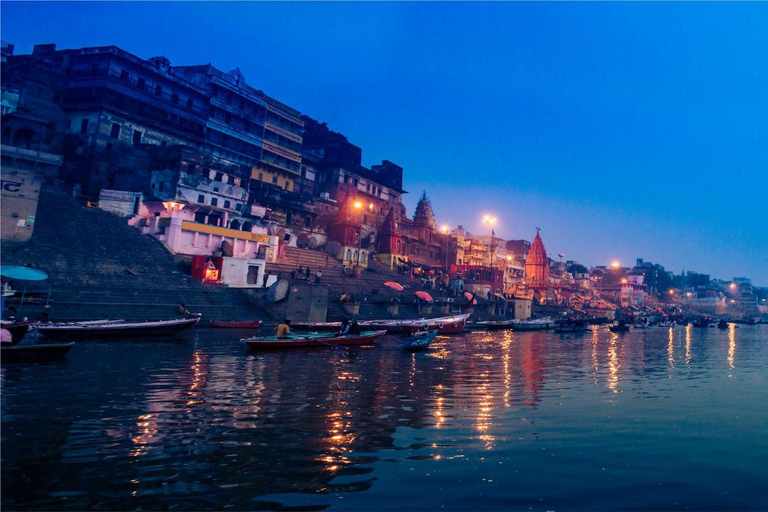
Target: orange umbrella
x,y
394,285
425,296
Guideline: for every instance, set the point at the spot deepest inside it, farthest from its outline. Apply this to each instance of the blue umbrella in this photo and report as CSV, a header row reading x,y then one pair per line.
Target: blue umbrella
x,y
22,273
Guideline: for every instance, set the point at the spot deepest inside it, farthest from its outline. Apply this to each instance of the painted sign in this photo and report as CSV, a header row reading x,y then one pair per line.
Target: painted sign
x,y
228,233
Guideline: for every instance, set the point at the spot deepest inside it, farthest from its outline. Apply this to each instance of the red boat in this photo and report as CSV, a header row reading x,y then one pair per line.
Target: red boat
x,y
314,340
237,324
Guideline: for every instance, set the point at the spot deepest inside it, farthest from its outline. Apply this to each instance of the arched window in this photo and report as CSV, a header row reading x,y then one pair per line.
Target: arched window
x,y
357,257
349,255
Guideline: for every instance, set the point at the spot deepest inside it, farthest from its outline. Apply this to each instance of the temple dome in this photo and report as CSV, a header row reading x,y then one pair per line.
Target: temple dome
x,y
537,263
424,215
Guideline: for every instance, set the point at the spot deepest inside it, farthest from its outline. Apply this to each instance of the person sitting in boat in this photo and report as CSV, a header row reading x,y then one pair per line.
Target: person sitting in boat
x,y
354,328
283,330
344,327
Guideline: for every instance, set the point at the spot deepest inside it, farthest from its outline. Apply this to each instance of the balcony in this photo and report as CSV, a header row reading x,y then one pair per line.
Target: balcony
x,y
31,155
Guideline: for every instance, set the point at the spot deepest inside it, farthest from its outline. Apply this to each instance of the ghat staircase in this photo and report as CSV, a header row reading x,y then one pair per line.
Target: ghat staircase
x,y
99,267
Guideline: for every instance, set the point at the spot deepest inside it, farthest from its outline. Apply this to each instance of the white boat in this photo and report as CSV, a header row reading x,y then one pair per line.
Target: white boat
x,y
114,328
444,324
538,324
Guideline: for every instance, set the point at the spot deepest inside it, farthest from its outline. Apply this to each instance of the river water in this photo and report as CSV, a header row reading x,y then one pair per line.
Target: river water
x,y
669,419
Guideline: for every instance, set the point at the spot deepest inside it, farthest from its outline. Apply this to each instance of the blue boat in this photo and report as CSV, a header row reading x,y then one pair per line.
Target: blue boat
x,y
419,341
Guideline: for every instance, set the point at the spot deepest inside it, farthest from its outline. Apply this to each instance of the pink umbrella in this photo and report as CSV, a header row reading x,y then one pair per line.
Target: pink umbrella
x,y
394,285
424,296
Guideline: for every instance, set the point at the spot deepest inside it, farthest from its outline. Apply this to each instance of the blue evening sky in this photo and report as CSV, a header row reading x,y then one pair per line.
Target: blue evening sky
x,y
623,130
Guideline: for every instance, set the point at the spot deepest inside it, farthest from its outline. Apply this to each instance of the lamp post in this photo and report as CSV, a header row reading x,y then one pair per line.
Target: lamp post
x,y
444,230
490,221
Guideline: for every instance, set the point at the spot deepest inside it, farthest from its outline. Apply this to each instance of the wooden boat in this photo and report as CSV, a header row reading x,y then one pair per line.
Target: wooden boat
x,y
35,351
444,325
618,328
316,326
576,327
120,328
237,324
496,325
722,324
538,324
702,322
17,329
419,341
313,340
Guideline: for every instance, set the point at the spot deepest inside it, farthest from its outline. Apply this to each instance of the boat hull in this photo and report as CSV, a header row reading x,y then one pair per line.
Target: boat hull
x,y
236,325
299,341
570,328
443,325
419,342
116,330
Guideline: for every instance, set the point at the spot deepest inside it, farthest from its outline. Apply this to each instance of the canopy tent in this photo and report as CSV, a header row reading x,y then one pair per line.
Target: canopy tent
x,y
394,286
424,296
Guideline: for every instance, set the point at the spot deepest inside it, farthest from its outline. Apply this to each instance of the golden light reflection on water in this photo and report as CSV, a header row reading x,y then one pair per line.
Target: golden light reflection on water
x,y
671,348
613,362
595,361
688,338
731,345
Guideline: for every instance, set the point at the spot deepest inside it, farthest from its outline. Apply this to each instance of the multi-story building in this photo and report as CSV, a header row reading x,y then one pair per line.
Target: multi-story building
x,y
32,144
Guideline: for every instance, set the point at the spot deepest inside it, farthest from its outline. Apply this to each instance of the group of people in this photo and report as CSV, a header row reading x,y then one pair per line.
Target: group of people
x,y
305,274
283,330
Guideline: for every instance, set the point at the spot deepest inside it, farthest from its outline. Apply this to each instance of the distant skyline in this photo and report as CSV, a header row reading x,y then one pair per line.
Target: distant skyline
x,y
623,130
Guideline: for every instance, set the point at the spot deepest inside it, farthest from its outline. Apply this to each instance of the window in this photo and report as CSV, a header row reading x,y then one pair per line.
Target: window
x,y
84,125
261,176
141,83
190,104
124,75
158,90
137,137
161,186
201,198
175,98
115,132
214,201
219,176
274,179
226,204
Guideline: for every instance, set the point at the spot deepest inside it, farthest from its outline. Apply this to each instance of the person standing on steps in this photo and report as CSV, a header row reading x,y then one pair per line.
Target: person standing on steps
x,y
318,276
308,273
266,278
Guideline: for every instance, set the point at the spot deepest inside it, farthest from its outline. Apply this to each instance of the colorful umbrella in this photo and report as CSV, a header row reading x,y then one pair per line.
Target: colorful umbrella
x,y
394,285
22,273
424,296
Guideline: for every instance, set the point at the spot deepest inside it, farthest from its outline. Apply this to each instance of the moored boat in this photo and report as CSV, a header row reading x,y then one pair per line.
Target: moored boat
x,y
313,340
496,325
419,341
571,327
619,328
444,325
17,329
119,328
35,351
538,324
236,324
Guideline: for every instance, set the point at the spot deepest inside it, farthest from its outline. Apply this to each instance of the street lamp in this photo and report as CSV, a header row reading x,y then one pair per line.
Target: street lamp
x,y
444,230
615,264
490,221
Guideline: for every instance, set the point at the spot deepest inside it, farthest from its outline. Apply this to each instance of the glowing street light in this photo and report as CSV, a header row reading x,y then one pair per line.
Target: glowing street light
x,y
733,286
671,292
444,229
490,221
615,264
357,204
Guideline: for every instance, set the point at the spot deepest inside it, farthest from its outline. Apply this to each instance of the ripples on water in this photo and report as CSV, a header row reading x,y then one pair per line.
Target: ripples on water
x,y
657,419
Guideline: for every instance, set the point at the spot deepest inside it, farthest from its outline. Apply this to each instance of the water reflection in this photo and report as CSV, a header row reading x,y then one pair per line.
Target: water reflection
x,y
203,424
